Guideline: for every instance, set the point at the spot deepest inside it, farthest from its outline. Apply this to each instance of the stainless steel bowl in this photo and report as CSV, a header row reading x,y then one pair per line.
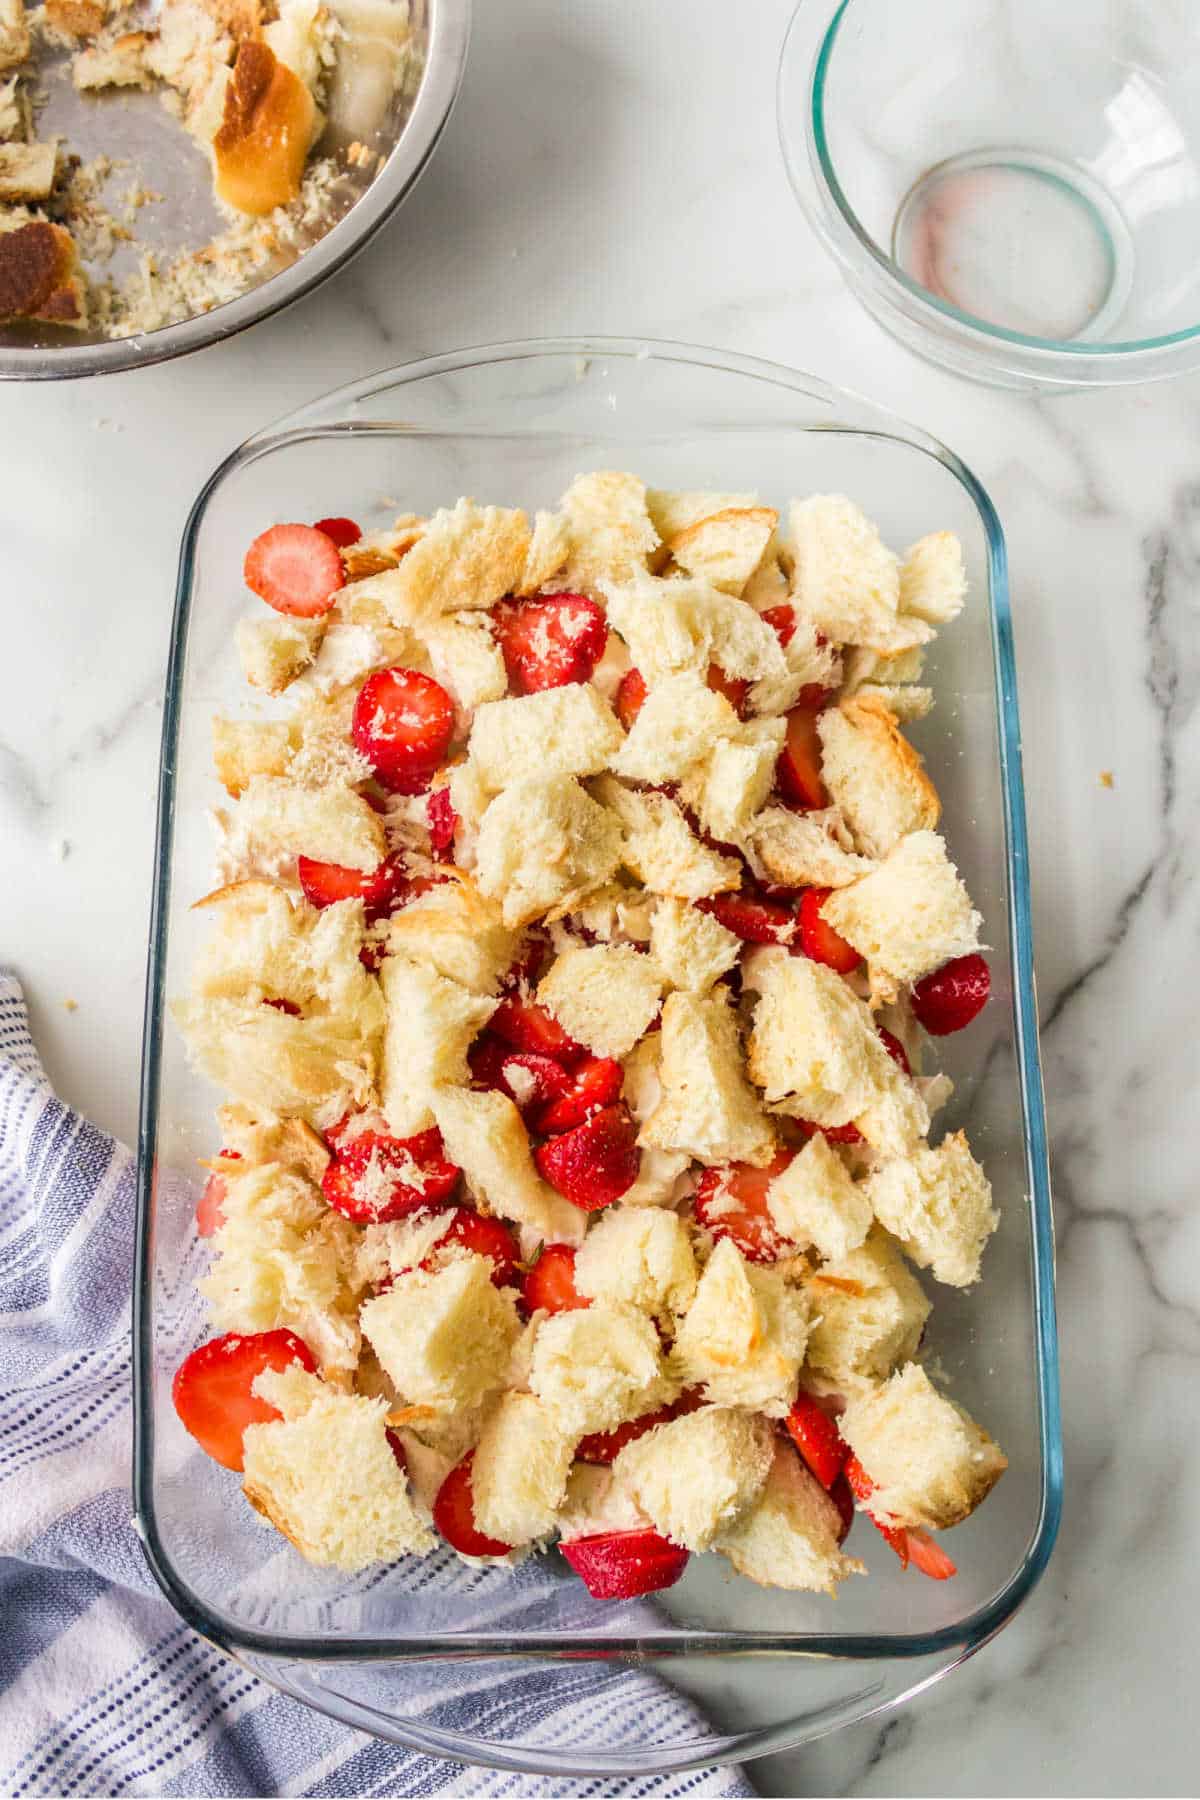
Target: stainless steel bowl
x,y
140,133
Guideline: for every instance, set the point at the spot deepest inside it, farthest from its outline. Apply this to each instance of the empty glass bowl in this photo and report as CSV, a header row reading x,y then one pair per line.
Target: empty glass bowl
x,y
1011,188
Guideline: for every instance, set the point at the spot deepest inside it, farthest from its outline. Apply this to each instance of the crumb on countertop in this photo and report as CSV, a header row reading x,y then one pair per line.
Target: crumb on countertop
x,y
1106,778
71,1005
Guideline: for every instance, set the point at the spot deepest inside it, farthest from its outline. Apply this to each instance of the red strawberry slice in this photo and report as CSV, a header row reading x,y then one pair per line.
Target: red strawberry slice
x,y
798,771
529,1079
619,1565
818,940
910,1543
402,724
926,1554
604,1446
750,917
484,1237
597,1162
374,1177
732,686
527,1026
284,1006
816,1436
953,995
211,1389
782,620
454,1515
551,641
732,1202
630,697
843,1499
894,1048
591,1084
443,823
549,1284
296,569
344,532
324,884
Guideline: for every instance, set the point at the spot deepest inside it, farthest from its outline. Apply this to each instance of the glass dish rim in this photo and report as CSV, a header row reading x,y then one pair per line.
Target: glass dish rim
x,y
845,231
324,417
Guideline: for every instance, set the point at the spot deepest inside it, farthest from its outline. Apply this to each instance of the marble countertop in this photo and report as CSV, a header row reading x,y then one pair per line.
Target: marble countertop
x,y
613,167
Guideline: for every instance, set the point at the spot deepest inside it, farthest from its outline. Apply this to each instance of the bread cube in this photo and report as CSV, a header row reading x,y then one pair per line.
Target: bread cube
x,y
674,510
603,995
330,824
485,1136
930,1462
465,657
845,580
869,1311
677,625
805,849
611,533
243,748
814,1203
444,1337
594,1504
938,1203
431,1023
905,702
598,1366
789,1537
696,1476
467,556
316,1067
733,783
549,548
275,649
810,661
640,1257
691,948
519,1475
325,754
933,580
725,547
744,1335
568,730
911,914
874,775
708,1108
659,847
895,668
813,1043
453,930
544,843
680,721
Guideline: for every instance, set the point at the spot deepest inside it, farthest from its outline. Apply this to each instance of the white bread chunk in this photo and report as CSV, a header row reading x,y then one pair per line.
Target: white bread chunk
x,y
465,657
262,945
597,1366
444,1337
638,1256
815,1204
869,1311
692,949
906,703
27,171
708,1108
911,914
744,1335
809,849
274,650
325,1476
243,748
544,843
467,556
610,530
398,1245
679,723
933,579
455,931
470,797
259,1137
15,42
734,781
330,824
594,1505
603,995
431,1022
613,914
519,1475
673,510
659,1179
325,752
485,1136
725,547
696,1476
845,581
680,625
789,1537
659,847
938,1203
351,649
549,548
930,1462
560,731
897,669
874,775
317,1067
809,662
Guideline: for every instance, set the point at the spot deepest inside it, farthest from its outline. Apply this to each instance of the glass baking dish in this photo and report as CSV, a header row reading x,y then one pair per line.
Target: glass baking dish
x,y
513,424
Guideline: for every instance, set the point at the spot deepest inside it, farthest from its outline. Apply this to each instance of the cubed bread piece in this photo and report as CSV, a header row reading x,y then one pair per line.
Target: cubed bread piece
x,y
467,556
519,1475
789,1537
243,748
659,847
325,1476
597,1366
13,125
725,547
603,995
809,849
275,649
262,946
431,1022
454,930
444,1337
470,798
549,548
560,731
744,1335
939,1204
874,775
680,721
684,625
114,62
640,1256
905,702
911,914
610,530
810,661
673,510
733,783
330,824
15,42
350,650
594,1504
398,1245
933,580
544,843
696,1476
465,658
692,949
612,915
317,1067
27,171
930,1462
845,580
869,1311
895,669
815,1204
708,1108
326,755
485,1136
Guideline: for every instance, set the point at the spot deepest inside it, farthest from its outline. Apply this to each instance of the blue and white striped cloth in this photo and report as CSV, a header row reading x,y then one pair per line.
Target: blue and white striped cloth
x,y
103,1690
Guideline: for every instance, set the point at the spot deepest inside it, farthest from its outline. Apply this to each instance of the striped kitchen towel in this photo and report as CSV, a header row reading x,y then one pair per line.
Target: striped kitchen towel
x,y
103,1690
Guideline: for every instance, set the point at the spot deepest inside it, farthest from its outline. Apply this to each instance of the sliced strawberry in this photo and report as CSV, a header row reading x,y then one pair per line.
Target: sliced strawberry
x,y
909,1542
454,1515
953,995
549,1284
211,1389
843,1499
396,1446
630,697
296,569
371,956
927,1555
344,532
816,1436
527,1026
529,1079
839,1134
379,889
402,724
374,1177
619,1565
750,917
798,771
597,1162
732,686
894,1048
605,1446
443,823
284,1006
782,620
485,1237
818,940
551,641
732,1202
591,1084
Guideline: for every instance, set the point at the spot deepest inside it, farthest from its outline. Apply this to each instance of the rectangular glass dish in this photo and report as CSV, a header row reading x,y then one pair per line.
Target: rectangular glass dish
x,y
513,425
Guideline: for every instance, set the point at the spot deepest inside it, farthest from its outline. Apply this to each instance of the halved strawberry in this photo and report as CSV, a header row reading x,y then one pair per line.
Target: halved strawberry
x,y
551,641
910,1543
752,918
443,823
375,1177
597,1162
798,770
816,1436
402,724
454,1515
324,884
591,1084
296,569
732,1202
605,1446
549,1284
619,1565
894,1048
211,1389
209,1214
818,940
344,532
782,620
527,1026
485,1237
732,686
529,1079
630,697
953,995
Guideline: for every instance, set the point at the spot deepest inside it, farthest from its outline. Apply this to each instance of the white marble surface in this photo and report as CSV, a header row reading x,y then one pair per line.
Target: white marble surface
x,y
613,167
